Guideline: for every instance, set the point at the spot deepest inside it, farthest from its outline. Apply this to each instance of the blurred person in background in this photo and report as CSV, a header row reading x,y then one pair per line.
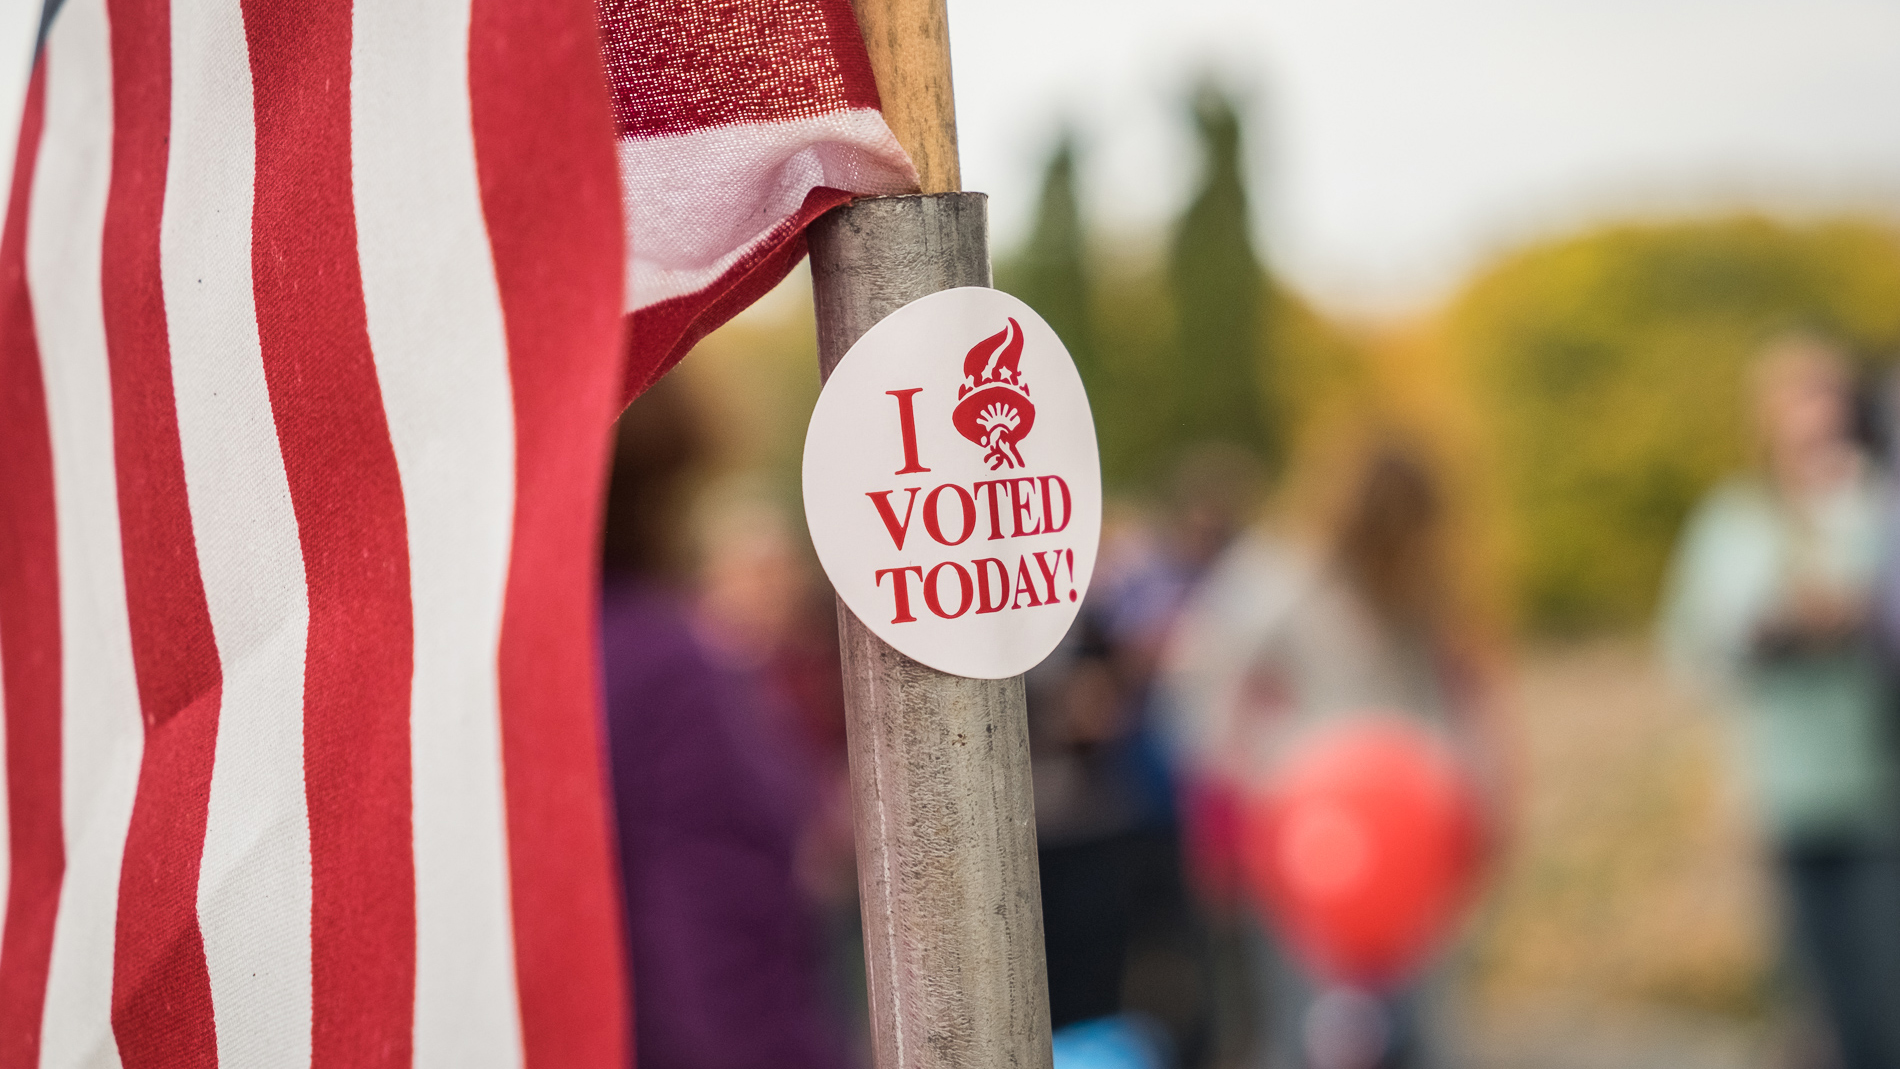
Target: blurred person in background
x,y
1093,810
1130,981
764,611
1769,602
1282,642
712,793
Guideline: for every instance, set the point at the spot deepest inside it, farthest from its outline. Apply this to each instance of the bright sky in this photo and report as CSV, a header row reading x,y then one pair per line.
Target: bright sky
x,y
1397,142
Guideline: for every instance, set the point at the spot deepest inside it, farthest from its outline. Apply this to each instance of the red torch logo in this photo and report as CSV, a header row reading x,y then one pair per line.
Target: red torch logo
x,y
993,406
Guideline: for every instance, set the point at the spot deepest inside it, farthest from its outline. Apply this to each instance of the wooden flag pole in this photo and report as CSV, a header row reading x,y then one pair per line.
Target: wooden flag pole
x,y
944,813
909,43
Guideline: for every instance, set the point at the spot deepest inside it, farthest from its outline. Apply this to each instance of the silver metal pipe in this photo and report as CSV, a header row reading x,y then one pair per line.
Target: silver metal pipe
x,y
944,814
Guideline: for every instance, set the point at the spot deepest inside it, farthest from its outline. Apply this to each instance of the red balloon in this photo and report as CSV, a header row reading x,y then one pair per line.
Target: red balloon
x,y
1364,848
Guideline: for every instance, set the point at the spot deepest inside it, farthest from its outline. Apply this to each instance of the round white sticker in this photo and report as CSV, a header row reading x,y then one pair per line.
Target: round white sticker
x,y
952,483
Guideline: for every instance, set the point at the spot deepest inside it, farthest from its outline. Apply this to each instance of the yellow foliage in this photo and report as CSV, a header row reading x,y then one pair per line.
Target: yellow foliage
x,y
1607,369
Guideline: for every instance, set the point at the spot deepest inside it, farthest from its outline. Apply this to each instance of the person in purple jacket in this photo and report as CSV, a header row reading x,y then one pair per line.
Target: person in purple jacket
x,y
711,797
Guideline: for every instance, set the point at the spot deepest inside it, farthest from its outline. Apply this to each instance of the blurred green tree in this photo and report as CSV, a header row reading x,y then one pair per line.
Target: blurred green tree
x,y
1220,378
1196,344
1051,272
1610,371
1112,320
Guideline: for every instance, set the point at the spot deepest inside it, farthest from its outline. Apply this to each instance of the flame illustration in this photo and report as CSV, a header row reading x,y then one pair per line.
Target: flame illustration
x,y
993,407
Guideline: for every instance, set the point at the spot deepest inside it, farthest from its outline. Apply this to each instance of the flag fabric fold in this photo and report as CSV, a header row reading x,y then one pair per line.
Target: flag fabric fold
x,y
737,123
313,321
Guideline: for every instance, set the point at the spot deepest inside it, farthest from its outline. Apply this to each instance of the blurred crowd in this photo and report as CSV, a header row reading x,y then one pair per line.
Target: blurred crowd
x,y
1272,762
1200,747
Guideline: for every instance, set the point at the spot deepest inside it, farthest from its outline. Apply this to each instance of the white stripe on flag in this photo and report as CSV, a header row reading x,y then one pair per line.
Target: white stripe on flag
x,y
696,203
254,883
19,28
103,735
441,355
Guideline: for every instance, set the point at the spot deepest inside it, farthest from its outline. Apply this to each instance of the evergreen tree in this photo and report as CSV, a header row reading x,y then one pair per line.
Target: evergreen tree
x,y
1220,294
1050,272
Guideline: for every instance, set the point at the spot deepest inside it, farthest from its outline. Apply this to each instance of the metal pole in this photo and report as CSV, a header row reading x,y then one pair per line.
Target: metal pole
x,y
944,814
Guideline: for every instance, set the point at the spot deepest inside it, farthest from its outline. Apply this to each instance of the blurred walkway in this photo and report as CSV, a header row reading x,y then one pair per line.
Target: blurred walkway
x,y
1624,1038
1630,925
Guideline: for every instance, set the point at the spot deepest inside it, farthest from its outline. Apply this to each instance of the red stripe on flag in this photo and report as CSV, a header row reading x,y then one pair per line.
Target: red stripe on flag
x,y
550,194
161,987
347,495
29,628
679,67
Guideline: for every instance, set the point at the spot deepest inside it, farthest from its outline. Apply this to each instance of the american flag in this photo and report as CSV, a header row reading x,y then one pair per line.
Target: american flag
x,y
311,328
